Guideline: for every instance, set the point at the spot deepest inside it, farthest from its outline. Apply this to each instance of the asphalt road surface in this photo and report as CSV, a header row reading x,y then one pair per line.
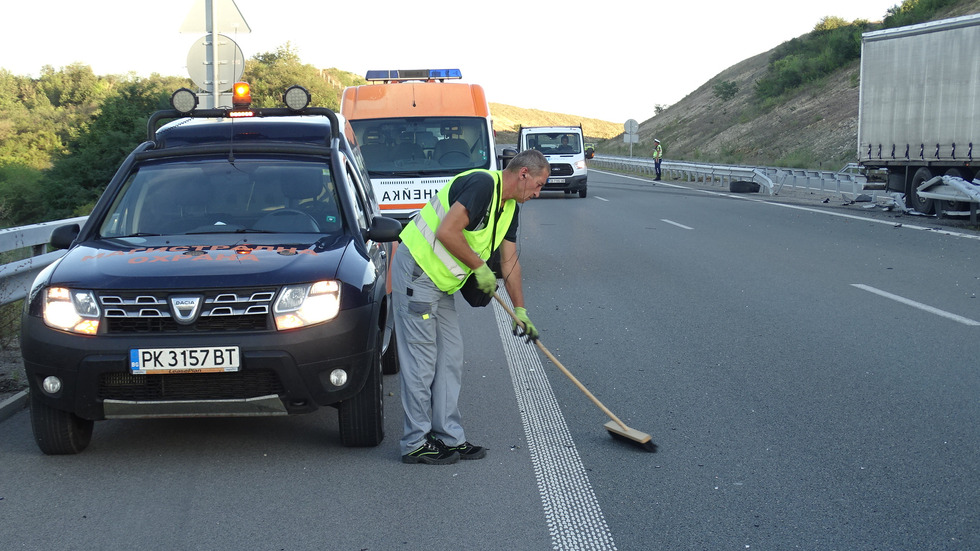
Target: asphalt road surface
x,y
810,377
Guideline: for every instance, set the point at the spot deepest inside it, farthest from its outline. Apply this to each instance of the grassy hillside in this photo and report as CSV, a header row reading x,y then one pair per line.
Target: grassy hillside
x,y
814,127
507,118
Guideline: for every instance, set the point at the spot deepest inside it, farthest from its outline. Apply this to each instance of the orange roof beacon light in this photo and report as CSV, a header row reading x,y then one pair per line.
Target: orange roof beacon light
x,y
241,97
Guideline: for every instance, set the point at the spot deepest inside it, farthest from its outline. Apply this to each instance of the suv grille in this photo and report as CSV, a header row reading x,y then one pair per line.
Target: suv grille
x,y
561,169
189,386
151,312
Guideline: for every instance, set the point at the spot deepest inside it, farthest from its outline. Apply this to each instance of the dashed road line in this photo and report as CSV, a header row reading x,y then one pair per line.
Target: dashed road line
x,y
671,222
919,305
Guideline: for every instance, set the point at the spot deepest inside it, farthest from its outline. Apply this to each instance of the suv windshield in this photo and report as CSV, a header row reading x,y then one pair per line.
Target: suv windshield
x,y
429,145
218,196
555,143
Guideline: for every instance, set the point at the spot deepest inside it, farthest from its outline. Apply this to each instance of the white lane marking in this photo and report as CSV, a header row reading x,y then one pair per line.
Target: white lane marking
x,y
571,509
601,198
904,226
919,305
671,222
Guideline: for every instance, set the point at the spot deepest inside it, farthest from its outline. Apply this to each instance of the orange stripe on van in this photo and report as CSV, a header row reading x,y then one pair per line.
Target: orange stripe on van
x,y
392,206
414,99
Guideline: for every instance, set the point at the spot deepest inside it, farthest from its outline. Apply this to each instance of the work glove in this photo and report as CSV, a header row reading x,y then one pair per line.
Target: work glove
x,y
529,329
486,281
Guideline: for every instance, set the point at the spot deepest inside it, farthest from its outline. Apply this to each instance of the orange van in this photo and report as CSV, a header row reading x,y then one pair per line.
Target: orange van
x,y
416,131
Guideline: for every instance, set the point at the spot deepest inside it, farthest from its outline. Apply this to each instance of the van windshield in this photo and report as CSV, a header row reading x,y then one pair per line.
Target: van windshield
x,y
423,145
555,142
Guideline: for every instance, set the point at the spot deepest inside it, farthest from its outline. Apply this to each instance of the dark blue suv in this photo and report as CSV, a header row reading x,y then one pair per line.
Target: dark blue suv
x,y
236,265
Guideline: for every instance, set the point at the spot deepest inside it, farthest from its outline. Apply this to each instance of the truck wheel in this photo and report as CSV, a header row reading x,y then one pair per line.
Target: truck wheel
x,y
912,199
956,205
362,417
58,432
389,362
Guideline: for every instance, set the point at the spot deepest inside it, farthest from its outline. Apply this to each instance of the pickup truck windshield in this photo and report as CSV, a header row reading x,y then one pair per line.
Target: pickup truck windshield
x,y
218,196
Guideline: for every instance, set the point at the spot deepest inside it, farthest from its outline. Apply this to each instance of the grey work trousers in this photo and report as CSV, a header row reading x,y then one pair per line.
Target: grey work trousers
x,y
430,352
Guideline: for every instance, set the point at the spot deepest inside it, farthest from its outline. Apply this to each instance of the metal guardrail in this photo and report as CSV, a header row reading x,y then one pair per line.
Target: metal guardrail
x,y
847,180
16,276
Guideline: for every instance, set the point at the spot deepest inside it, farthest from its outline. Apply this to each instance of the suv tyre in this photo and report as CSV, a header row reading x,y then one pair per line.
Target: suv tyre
x,y
389,362
58,432
362,417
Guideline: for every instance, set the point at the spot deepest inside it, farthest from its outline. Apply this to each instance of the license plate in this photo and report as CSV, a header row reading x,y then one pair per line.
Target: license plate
x,y
556,180
213,359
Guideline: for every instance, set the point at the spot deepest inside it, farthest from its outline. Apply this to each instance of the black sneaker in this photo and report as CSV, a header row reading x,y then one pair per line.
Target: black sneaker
x,y
465,450
469,451
431,454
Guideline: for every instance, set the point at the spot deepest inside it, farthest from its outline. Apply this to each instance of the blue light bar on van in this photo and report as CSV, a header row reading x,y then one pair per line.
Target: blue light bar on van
x,y
413,74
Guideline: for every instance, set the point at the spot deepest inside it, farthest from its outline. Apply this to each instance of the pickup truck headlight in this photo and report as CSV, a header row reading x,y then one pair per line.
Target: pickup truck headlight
x,y
302,305
71,310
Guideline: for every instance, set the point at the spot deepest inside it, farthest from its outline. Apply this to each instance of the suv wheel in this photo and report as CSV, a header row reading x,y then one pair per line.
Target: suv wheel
x,y
389,362
362,417
58,432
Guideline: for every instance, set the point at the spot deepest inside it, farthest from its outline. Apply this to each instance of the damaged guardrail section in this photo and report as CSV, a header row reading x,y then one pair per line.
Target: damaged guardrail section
x,y
955,190
846,180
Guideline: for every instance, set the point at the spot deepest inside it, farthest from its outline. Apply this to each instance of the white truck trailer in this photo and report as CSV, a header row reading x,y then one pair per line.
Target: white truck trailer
x,y
919,109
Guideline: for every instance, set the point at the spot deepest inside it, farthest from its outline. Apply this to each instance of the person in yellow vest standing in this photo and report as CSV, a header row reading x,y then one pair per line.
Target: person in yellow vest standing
x,y
658,155
449,240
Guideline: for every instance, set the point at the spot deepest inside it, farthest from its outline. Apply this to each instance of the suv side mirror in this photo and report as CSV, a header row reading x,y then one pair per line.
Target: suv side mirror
x,y
506,156
63,236
383,229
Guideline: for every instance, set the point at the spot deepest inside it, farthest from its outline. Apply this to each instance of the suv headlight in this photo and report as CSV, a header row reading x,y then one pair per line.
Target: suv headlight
x,y
302,305
71,310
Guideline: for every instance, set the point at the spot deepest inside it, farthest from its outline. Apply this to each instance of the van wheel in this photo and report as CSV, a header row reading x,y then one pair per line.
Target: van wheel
x,y
583,192
912,199
58,432
362,416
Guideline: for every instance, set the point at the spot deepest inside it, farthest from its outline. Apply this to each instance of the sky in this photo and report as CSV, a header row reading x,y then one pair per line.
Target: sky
x,y
606,59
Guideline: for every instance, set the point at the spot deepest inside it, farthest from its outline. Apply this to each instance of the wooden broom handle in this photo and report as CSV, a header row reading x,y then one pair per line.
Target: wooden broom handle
x,y
567,373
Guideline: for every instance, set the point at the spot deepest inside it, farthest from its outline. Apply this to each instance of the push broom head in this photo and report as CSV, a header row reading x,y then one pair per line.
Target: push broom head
x,y
631,436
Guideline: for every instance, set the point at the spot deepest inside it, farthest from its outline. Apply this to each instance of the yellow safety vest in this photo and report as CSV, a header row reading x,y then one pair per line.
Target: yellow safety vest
x,y
444,269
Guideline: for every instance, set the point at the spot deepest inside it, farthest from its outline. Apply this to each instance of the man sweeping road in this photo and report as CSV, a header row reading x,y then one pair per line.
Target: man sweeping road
x,y
448,241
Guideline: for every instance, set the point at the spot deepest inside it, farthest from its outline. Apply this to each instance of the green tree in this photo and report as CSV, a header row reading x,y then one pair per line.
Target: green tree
x,y
74,85
77,179
831,45
830,23
725,90
271,73
910,12
64,134
20,203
